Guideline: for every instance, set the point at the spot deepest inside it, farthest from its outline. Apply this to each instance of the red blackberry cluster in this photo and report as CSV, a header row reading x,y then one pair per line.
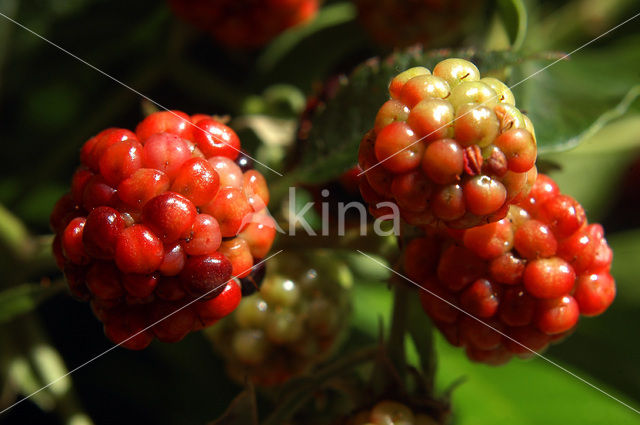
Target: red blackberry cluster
x,y
158,218
246,23
295,321
399,23
529,276
390,413
448,148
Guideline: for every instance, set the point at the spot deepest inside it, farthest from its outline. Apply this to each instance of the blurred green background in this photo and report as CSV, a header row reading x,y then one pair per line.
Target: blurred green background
x,y
51,104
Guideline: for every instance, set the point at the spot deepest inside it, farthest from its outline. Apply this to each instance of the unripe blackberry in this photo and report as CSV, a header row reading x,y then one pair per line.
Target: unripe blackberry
x,y
130,237
461,138
295,321
528,276
246,24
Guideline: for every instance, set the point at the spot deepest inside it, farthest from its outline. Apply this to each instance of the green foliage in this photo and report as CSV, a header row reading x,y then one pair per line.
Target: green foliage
x,y
567,100
24,298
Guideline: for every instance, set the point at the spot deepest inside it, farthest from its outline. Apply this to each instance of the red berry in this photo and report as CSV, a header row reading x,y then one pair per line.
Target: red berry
x,y
543,189
432,119
64,210
71,240
172,321
141,186
391,111
170,289
481,335
121,160
97,192
101,231
423,87
104,281
432,296
93,150
594,293
517,307
165,152
252,25
398,149
206,274
259,234
224,304
519,147
229,172
443,161
507,269
411,191
170,216
256,190
205,236
138,250
563,214
238,253
458,267
484,195
78,183
173,260
448,202
197,181
475,125
548,277
557,315
128,330
525,339
140,285
480,299
495,357
173,122
216,139
490,240
533,240
420,258
231,209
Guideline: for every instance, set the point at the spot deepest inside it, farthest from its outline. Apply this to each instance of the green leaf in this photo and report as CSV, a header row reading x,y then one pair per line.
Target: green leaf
x,y
573,98
337,129
328,17
514,16
527,393
24,298
592,172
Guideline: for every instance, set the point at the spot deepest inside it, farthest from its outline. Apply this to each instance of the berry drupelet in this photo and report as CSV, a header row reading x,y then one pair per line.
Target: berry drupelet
x,y
449,148
528,276
140,235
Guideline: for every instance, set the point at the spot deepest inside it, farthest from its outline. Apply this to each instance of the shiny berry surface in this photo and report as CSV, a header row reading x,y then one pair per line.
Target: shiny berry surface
x,y
463,134
514,286
134,235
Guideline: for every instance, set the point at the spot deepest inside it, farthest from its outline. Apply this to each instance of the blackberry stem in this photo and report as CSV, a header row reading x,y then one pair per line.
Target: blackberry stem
x,y
396,343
